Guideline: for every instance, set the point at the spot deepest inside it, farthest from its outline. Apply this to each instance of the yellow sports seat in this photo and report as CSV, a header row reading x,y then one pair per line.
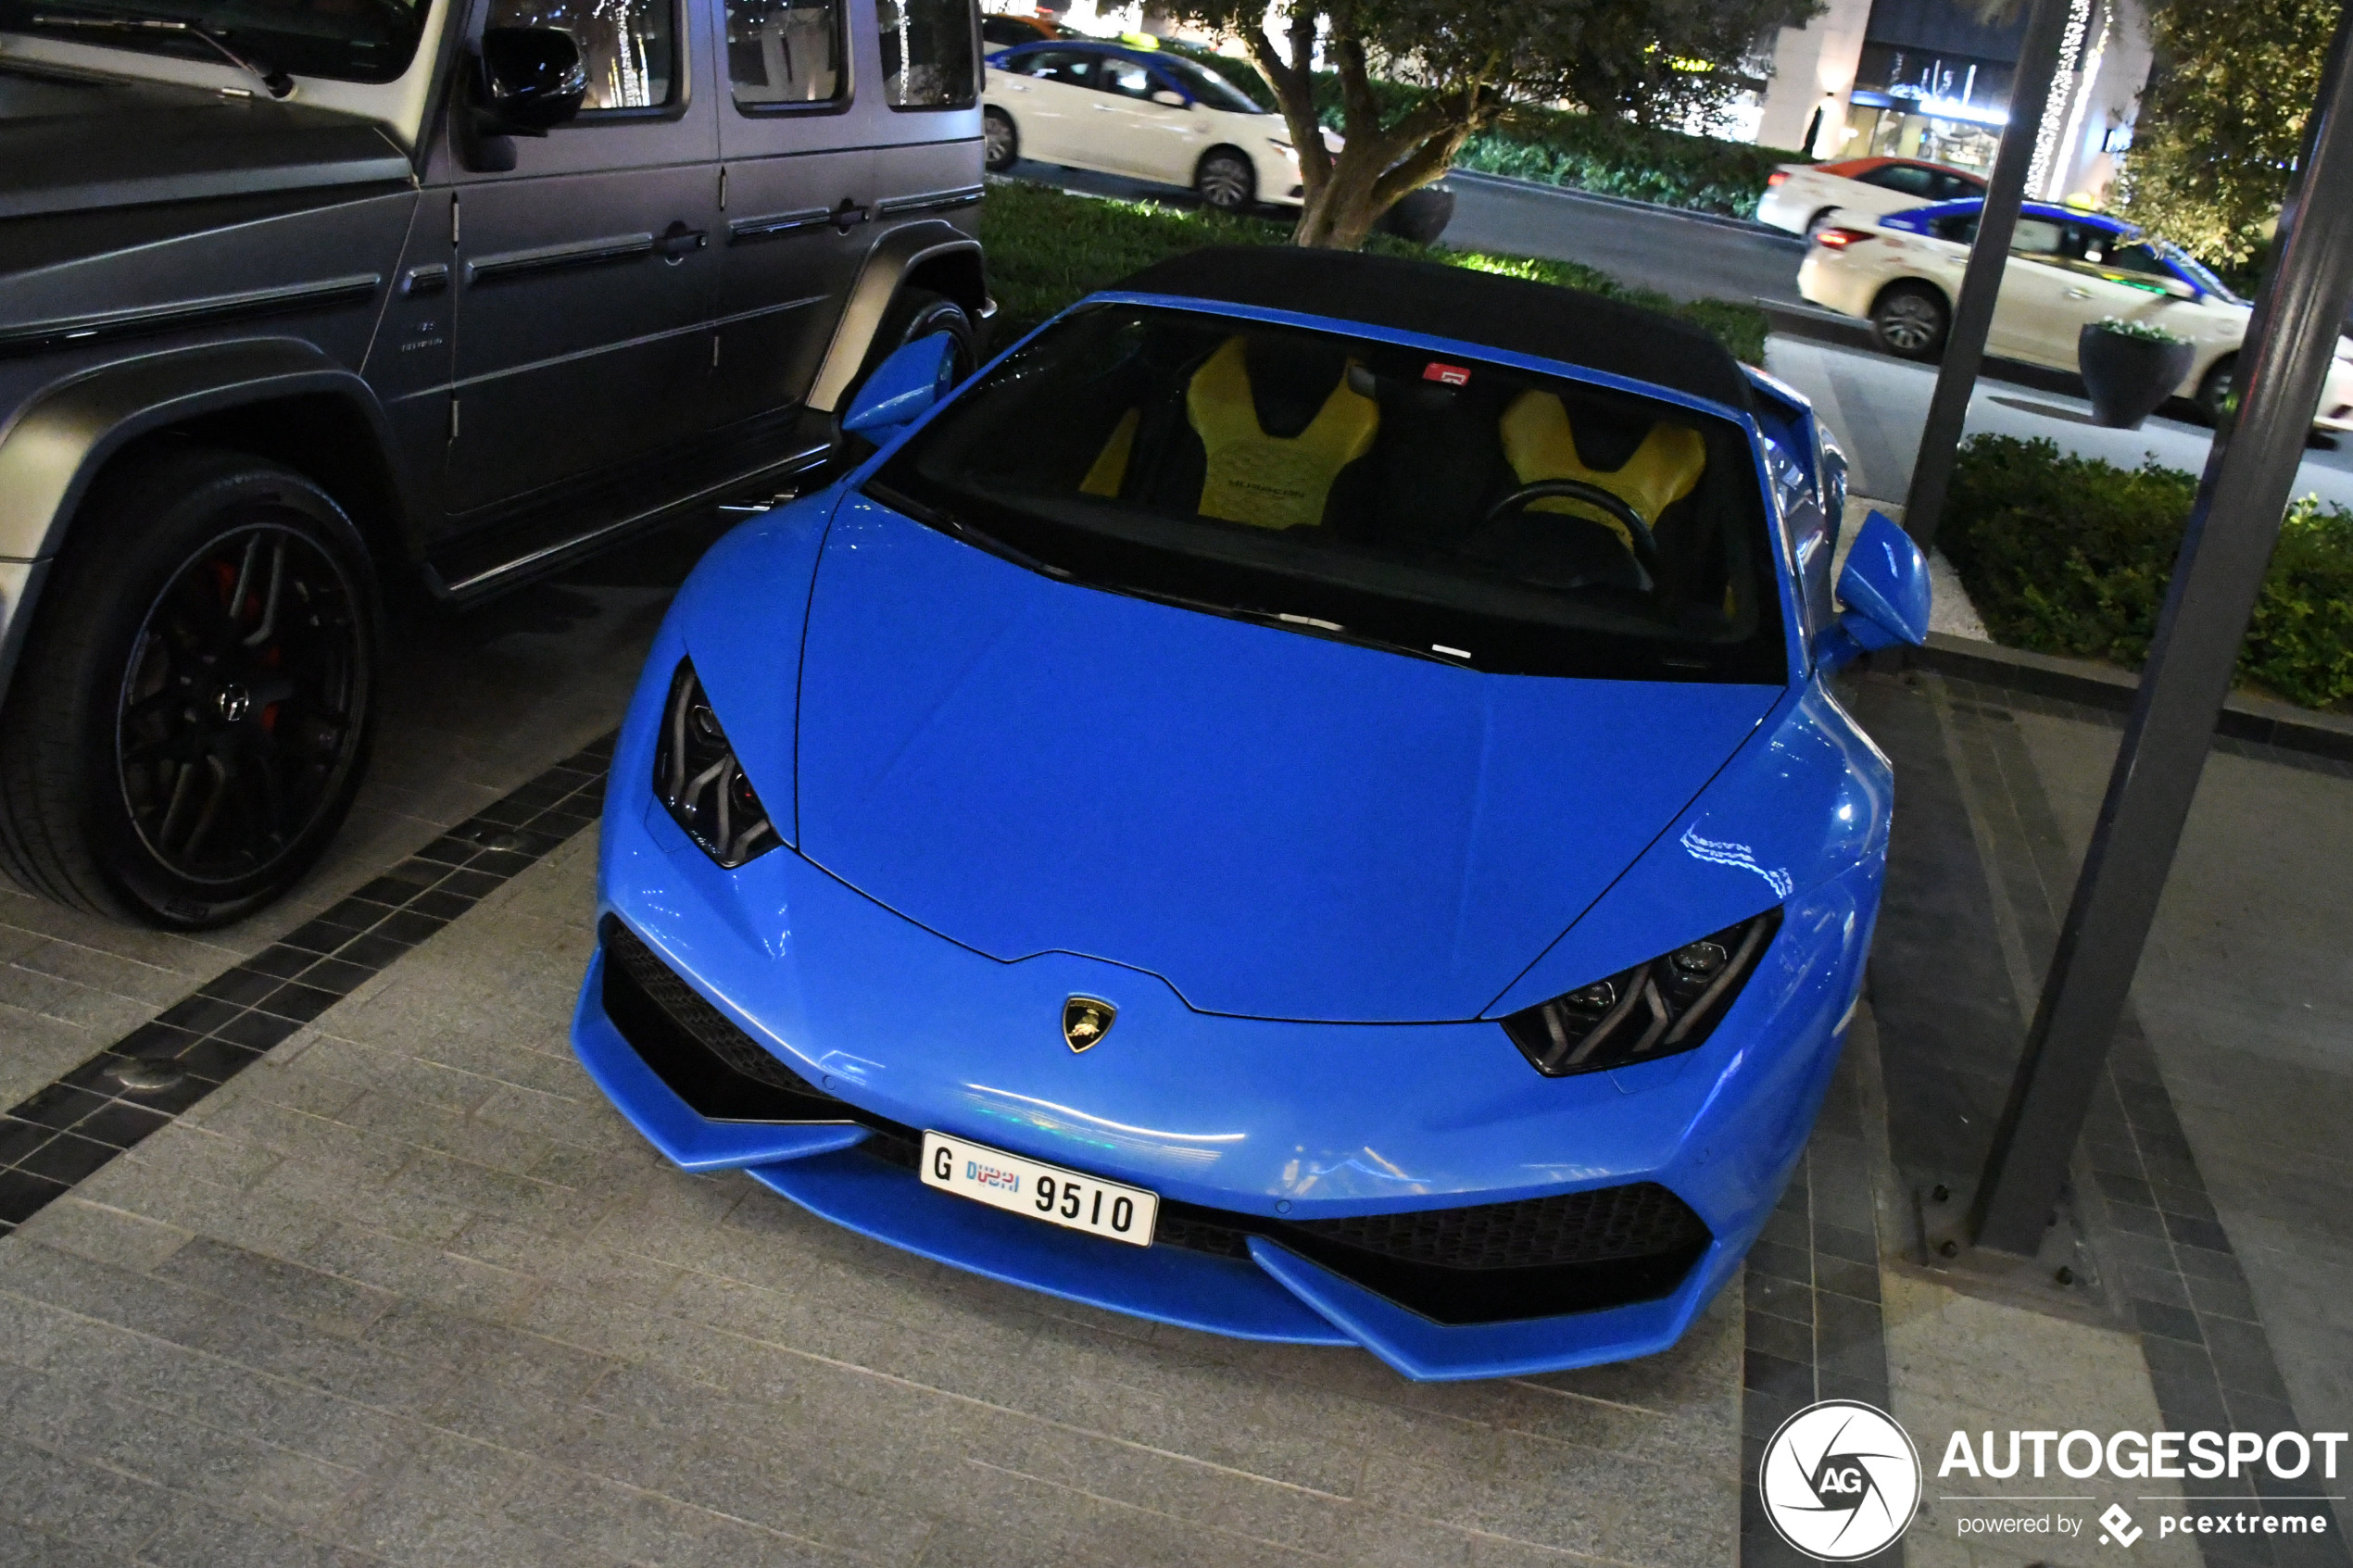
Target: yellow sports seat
x,y
1249,476
1540,445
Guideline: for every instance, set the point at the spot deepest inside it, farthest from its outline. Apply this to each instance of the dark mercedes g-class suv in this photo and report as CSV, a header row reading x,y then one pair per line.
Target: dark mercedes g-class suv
x,y
303,299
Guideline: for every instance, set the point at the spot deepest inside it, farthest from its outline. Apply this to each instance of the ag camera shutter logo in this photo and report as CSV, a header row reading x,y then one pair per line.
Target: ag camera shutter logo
x,y
1839,1481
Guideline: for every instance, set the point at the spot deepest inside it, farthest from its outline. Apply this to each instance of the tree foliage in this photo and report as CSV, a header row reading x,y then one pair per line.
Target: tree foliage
x,y
2221,122
1653,60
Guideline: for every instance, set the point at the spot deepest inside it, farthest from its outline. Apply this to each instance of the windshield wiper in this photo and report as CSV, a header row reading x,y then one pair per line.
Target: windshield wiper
x,y
278,81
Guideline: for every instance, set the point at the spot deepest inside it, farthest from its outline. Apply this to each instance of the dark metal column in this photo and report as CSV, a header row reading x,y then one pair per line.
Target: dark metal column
x,y
1973,312
2250,475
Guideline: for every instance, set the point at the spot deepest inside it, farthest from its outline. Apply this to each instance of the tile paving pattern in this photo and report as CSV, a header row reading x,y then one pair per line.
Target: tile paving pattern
x,y
69,1129
1812,1329
2148,1215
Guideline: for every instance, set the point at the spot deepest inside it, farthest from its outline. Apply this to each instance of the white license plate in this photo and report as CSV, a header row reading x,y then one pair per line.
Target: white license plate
x,y
1042,1192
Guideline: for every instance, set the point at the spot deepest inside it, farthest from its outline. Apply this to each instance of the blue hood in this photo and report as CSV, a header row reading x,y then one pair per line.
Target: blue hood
x,y
1277,825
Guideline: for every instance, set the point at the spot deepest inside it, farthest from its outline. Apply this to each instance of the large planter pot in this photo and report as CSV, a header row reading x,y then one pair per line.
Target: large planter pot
x,y
2127,376
1421,216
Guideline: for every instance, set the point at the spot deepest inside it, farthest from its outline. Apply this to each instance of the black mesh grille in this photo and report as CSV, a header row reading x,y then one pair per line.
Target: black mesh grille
x,y
1488,1263
712,1029
1577,1227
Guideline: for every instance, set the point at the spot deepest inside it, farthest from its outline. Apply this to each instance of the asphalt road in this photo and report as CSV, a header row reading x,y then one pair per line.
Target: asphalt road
x,y
1687,257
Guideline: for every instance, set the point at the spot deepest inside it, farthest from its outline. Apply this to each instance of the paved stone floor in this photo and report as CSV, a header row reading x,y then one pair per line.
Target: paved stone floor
x,y
409,1289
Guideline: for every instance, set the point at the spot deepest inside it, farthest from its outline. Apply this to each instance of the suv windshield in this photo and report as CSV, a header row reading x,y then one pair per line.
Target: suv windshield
x,y
355,39
1343,487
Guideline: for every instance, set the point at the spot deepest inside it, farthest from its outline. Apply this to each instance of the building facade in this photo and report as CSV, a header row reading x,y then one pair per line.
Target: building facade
x,y
1929,78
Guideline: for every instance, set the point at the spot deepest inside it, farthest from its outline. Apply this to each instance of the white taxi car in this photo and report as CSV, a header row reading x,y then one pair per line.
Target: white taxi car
x,y
1149,113
1800,198
1901,271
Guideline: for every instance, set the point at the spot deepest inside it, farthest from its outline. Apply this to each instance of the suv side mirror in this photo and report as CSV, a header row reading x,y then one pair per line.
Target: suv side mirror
x,y
520,82
913,379
532,78
1885,591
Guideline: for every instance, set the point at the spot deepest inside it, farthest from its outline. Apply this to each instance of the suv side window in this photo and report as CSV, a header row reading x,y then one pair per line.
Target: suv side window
x,y
630,48
928,54
784,52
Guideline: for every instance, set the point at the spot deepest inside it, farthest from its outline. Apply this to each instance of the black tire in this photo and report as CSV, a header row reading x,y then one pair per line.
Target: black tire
x,y
1910,320
193,710
2216,395
1227,180
1001,142
918,313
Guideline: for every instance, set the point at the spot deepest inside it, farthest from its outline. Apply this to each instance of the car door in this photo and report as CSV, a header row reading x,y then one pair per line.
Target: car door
x,y
2032,282
2070,290
1138,134
1894,186
797,185
584,273
1049,98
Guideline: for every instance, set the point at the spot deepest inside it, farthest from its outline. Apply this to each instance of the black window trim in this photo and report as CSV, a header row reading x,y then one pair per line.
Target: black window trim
x,y
840,103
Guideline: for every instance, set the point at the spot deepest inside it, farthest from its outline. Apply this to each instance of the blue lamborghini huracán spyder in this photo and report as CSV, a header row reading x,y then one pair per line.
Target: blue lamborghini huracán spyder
x,y
1301,801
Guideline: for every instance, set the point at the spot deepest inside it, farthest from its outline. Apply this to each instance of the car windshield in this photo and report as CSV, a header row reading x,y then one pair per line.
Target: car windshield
x,y
1436,505
353,40
1211,89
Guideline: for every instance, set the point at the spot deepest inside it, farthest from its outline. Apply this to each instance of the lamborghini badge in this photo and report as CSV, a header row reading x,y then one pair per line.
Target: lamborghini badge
x,y
1086,1019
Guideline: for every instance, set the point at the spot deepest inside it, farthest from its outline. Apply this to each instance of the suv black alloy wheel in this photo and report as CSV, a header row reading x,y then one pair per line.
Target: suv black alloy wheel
x,y
189,726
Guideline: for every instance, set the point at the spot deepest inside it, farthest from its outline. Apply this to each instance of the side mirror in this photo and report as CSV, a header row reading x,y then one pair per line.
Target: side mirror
x,y
519,83
1169,97
532,78
903,386
1885,591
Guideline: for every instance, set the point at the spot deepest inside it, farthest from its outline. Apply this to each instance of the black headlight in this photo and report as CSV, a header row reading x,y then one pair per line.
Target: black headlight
x,y
699,778
1653,1009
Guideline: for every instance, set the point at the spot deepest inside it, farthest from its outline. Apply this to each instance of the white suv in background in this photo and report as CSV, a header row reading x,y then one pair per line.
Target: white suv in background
x,y
1800,198
1145,113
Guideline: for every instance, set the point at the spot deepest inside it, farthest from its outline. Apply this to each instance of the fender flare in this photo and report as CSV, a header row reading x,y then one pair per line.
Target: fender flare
x,y
896,254
59,441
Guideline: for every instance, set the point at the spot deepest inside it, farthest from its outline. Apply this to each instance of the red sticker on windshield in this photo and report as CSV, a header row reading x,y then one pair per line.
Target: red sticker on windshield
x,y
1452,375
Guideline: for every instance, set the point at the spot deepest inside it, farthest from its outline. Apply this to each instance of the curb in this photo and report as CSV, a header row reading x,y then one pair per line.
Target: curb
x,y
2252,720
1721,221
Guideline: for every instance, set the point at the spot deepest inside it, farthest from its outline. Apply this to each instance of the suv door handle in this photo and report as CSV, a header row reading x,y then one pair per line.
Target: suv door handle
x,y
678,240
847,213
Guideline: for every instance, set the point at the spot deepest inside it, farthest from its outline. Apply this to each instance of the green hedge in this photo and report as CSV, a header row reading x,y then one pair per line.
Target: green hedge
x,y
1048,247
2070,555
1602,153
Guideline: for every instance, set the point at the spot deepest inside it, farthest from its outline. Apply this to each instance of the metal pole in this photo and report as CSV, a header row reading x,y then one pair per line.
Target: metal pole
x,y
2250,475
1973,312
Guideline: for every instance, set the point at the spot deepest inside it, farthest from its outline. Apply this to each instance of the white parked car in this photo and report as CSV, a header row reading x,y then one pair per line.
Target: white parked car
x,y
1149,113
1901,271
1800,196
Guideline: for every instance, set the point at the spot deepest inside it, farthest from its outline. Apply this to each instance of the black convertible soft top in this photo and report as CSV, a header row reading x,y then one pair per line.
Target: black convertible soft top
x,y
1513,314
